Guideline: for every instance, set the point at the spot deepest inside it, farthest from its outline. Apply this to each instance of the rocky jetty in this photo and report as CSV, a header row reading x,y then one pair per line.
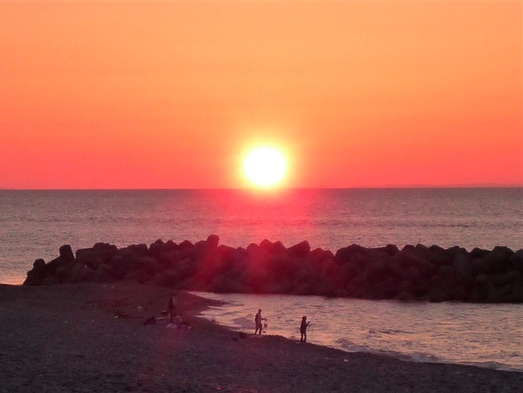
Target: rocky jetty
x,y
412,273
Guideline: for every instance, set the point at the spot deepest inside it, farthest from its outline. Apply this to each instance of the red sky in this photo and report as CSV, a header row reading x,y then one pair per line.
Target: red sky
x,y
172,94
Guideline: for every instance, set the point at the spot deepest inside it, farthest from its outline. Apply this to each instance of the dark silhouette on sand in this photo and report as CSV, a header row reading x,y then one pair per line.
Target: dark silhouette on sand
x,y
258,322
303,329
172,308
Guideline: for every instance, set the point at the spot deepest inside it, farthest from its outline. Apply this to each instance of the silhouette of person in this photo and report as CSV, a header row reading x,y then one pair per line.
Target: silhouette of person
x,y
303,329
258,322
172,307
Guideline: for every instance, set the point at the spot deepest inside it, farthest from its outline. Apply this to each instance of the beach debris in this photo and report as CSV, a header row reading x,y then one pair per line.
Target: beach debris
x,y
119,314
179,325
150,321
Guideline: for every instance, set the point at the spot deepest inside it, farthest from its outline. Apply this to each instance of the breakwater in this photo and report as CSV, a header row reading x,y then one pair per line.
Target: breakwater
x,y
415,272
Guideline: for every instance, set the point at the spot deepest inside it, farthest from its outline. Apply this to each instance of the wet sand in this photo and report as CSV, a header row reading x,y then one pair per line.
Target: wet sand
x,y
91,338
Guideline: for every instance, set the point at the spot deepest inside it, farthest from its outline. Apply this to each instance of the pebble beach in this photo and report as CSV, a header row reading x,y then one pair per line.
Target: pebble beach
x,y
91,337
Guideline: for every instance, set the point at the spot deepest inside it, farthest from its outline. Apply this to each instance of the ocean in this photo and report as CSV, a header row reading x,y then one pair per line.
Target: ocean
x,y
483,335
34,224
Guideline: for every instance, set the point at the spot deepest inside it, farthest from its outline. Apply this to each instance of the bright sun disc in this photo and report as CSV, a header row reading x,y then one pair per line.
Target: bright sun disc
x,y
265,166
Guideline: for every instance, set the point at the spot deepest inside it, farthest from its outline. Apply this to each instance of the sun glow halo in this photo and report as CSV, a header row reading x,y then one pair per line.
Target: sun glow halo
x,y
265,166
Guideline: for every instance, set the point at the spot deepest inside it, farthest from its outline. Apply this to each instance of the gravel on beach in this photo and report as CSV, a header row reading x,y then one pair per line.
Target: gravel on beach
x,y
92,338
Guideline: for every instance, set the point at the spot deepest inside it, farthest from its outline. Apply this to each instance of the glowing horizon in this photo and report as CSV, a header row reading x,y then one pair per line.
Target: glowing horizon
x,y
164,95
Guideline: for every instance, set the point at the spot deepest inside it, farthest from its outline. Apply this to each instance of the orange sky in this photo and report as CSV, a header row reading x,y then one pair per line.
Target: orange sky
x,y
172,94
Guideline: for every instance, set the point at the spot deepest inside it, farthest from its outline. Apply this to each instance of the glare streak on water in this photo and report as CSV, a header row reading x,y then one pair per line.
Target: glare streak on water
x,y
485,335
34,224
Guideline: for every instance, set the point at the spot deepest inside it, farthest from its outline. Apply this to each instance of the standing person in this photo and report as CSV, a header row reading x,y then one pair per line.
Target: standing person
x,y
303,329
172,307
258,322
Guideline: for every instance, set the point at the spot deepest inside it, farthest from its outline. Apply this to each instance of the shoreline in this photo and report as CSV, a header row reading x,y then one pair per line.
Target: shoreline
x,y
68,338
239,322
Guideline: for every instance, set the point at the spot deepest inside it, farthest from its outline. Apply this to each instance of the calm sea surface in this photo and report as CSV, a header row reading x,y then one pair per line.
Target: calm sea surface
x,y
484,335
34,224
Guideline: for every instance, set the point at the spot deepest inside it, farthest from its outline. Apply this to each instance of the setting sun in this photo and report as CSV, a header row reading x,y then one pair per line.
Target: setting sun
x,y
265,166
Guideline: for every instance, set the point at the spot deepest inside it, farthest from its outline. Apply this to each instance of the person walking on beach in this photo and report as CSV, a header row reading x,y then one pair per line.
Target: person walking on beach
x,y
258,322
303,329
172,308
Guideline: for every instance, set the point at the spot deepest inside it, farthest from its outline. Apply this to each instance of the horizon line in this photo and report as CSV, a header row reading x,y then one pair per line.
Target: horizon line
x,y
414,186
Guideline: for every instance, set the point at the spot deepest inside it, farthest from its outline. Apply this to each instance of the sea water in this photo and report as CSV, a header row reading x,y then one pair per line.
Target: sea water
x,y
34,224
484,335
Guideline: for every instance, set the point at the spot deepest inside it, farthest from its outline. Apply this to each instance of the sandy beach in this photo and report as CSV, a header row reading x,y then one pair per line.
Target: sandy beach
x,y
92,338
